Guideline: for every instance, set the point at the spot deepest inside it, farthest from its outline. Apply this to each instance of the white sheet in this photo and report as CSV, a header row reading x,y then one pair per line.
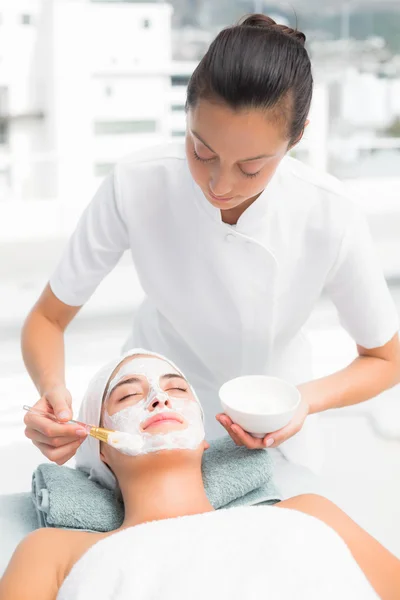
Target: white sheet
x,y
252,553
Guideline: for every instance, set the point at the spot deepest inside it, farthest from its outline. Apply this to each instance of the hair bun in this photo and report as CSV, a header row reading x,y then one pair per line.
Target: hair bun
x,y
259,20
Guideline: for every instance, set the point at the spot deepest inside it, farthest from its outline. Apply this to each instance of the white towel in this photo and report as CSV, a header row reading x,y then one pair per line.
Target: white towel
x,y
250,553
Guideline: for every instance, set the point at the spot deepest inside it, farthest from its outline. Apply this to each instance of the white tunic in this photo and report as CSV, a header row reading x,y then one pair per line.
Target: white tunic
x,y
221,301
251,553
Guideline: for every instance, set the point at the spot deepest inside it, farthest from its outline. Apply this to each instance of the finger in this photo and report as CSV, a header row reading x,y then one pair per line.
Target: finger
x,y
60,401
235,438
49,428
43,405
226,422
246,439
56,401
56,442
221,416
276,438
58,455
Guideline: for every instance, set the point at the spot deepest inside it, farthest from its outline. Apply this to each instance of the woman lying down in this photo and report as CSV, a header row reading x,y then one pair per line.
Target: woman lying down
x,y
172,544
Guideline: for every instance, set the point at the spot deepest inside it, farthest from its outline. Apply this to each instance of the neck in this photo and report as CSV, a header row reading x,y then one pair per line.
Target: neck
x,y
165,487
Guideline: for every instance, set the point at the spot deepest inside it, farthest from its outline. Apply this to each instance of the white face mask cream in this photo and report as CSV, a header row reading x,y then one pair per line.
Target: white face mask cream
x,y
154,397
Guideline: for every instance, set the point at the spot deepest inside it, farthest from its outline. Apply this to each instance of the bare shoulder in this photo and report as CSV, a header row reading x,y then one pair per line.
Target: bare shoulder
x,y
319,507
46,545
380,566
308,503
25,576
57,549
50,542
65,546
329,513
79,542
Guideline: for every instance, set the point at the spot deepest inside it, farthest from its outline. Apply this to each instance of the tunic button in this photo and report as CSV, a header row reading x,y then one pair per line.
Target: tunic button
x,y
230,237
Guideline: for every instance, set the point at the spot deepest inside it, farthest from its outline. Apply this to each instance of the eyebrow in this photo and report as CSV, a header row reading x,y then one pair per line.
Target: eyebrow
x,y
130,380
173,376
241,161
137,380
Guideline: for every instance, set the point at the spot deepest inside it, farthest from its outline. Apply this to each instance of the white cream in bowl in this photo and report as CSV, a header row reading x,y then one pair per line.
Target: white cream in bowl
x,y
258,403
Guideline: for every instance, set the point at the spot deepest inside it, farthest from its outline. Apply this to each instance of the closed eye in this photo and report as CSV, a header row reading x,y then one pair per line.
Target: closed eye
x,y
177,391
251,174
204,160
129,396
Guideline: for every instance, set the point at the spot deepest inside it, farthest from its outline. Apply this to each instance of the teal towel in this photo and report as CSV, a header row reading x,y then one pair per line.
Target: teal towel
x,y
233,476
236,476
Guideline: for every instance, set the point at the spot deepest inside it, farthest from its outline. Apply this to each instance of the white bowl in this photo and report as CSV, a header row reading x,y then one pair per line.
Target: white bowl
x,y
259,404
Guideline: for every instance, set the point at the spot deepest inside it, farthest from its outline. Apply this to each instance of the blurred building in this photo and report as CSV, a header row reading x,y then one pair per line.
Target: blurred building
x,y
83,83
18,115
181,72
91,79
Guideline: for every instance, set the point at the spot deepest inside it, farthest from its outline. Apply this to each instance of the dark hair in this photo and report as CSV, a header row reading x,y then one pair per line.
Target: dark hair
x,y
257,64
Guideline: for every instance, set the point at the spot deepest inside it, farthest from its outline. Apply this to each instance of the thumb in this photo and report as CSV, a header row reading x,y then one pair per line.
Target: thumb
x,y
60,401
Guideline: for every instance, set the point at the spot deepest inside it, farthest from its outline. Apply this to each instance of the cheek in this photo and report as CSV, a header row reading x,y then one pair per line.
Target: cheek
x,y
190,410
251,186
127,420
198,170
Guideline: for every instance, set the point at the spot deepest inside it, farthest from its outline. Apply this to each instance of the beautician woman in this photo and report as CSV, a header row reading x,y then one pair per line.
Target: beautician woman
x,y
233,242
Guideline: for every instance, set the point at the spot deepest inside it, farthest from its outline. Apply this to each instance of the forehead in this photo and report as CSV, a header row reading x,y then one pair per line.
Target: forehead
x,y
238,133
144,365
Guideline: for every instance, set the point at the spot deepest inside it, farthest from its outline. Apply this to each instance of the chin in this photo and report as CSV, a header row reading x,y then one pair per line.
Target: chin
x,y
224,205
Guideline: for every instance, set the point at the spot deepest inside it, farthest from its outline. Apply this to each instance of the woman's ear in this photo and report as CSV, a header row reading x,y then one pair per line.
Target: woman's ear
x,y
300,136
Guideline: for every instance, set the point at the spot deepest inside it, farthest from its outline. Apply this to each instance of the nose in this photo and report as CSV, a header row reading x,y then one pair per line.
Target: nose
x,y
220,184
161,399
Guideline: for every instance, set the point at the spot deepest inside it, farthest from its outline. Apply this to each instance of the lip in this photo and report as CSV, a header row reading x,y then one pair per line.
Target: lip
x,y
219,198
162,417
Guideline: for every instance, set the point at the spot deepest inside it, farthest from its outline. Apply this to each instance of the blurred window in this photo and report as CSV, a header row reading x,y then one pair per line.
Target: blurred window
x,y
178,107
177,133
180,79
3,132
146,23
108,90
120,127
26,19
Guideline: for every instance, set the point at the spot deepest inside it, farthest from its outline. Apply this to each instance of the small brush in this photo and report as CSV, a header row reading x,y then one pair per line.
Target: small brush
x,y
99,433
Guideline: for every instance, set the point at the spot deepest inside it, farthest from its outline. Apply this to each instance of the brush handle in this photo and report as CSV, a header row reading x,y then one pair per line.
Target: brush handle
x,y
99,433
41,413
